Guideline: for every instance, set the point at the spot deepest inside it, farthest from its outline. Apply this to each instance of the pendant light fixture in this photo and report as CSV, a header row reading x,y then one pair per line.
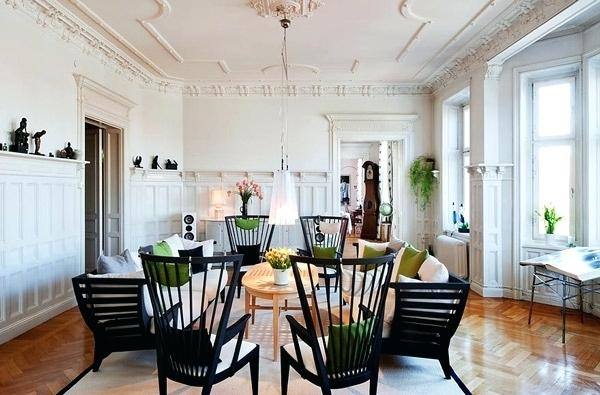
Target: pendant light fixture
x,y
284,208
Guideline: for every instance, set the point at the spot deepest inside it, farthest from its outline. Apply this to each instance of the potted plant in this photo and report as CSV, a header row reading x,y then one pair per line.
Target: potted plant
x,y
422,180
551,218
279,259
246,189
464,228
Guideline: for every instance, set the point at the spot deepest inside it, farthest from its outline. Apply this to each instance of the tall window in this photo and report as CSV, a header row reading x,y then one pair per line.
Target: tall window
x,y
465,149
554,141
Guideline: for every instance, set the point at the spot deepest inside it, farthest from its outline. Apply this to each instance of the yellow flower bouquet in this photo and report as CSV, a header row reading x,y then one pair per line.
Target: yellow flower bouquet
x,y
279,258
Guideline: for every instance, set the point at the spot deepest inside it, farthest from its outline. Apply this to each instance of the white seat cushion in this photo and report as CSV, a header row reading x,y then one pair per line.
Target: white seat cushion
x,y
228,350
307,354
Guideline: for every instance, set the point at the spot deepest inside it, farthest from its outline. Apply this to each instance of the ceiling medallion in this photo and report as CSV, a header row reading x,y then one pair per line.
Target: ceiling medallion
x,y
288,8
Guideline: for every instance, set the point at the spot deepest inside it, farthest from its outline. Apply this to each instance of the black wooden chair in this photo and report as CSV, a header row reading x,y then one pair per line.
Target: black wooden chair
x,y
426,316
326,234
250,236
115,312
339,345
194,344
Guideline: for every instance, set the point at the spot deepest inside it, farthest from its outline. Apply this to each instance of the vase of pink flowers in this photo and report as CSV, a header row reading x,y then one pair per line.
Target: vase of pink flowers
x,y
247,189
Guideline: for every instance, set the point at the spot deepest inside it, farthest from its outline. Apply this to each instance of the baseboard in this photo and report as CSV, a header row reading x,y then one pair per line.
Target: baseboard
x,y
23,325
487,292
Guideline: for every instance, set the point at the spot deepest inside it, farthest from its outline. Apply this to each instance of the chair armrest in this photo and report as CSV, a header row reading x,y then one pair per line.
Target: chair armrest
x,y
302,252
367,313
237,328
297,329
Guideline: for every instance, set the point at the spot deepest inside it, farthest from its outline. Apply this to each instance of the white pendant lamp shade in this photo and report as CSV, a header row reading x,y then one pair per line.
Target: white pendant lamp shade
x,y
284,210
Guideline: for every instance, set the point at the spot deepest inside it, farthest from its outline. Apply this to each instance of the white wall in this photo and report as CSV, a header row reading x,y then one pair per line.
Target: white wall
x,y
243,133
36,76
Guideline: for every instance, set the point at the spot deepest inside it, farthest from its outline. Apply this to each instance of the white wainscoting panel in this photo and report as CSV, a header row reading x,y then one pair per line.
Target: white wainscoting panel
x,y
41,234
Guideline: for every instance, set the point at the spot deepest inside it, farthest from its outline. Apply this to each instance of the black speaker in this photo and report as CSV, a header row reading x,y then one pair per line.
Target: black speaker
x,y
188,225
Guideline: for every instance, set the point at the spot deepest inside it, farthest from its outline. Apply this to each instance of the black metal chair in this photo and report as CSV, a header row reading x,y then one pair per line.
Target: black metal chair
x,y
426,316
115,312
194,344
250,236
324,232
340,344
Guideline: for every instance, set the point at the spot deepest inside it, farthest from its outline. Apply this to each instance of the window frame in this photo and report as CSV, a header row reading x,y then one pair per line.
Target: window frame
x,y
535,141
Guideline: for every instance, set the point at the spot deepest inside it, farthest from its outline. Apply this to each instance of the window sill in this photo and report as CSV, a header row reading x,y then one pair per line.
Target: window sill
x,y
541,245
466,237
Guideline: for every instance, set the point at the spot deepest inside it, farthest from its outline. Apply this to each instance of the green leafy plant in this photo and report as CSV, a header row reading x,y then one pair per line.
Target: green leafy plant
x,y
550,217
422,180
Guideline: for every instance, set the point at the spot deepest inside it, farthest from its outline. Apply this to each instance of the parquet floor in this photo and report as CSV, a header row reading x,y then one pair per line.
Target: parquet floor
x,y
494,352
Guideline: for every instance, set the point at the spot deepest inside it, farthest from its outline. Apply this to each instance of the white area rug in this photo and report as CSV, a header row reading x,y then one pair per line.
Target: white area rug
x,y
135,372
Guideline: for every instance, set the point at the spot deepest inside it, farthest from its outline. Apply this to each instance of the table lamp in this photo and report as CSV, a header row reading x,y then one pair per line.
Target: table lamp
x,y
217,199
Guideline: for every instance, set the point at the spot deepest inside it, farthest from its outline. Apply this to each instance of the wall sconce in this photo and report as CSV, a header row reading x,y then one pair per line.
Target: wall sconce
x,y
217,199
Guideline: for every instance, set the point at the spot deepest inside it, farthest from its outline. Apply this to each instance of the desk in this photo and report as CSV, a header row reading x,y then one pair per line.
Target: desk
x,y
574,267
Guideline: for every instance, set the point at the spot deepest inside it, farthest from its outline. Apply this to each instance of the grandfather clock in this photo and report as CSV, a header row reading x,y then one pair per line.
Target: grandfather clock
x,y
372,201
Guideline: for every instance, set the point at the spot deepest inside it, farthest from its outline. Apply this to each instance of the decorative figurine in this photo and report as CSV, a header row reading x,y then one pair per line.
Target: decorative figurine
x,y
61,153
69,151
5,147
21,138
171,165
50,155
137,161
37,139
155,164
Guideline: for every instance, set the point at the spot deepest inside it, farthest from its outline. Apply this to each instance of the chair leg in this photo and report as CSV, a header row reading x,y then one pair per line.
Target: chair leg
x,y
239,289
99,355
162,383
337,278
285,372
254,372
373,382
445,362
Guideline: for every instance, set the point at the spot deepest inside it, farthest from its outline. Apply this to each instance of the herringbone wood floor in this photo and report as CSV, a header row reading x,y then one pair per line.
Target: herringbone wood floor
x,y
494,351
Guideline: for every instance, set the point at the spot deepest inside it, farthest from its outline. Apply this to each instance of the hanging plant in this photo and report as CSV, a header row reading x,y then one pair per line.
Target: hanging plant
x,y
422,180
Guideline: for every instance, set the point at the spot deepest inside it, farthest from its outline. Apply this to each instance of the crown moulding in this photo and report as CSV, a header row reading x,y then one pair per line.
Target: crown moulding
x,y
515,23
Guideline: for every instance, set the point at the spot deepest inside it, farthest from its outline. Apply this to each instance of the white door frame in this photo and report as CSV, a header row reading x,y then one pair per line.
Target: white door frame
x,y
99,103
369,128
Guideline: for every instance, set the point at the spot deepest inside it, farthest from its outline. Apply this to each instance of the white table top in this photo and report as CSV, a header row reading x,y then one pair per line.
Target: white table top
x,y
580,263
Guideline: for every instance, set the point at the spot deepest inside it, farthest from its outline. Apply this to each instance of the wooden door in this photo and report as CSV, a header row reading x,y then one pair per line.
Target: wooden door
x,y
93,196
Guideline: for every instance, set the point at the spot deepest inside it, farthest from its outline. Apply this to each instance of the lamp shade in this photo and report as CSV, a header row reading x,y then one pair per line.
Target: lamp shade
x,y
284,210
217,197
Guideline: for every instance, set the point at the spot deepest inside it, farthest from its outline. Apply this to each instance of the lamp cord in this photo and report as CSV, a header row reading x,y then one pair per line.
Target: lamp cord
x,y
285,85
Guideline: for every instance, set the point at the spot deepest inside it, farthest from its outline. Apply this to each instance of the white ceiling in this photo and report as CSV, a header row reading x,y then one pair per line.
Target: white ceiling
x,y
403,41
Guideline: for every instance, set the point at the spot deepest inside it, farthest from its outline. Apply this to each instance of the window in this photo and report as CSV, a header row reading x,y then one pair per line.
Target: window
x,y
554,142
456,152
465,149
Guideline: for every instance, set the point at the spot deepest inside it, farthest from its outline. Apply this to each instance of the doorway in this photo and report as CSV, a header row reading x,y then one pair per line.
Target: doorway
x,y
103,191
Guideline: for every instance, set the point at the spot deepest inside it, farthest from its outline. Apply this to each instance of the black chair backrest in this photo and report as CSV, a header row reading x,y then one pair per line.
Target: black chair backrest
x,y
112,307
314,235
348,324
249,231
429,311
189,318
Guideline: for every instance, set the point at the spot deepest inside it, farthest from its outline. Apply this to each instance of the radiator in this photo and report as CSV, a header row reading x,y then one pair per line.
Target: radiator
x,y
453,253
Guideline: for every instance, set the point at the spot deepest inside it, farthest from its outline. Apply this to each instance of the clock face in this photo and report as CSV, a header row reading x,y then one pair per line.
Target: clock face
x,y
369,175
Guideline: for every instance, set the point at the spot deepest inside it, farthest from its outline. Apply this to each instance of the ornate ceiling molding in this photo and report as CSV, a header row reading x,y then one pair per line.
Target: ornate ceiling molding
x,y
291,8
314,90
456,36
407,12
514,24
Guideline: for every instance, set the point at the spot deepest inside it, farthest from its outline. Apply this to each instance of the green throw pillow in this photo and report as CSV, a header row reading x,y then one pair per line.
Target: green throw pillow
x,y
411,261
324,252
167,273
370,252
247,223
351,338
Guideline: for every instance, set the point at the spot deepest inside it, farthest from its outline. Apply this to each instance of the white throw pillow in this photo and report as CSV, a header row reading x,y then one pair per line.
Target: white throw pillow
x,y
376,246
396,244
329,228
396,267
433,271
123,263
175,244
208,246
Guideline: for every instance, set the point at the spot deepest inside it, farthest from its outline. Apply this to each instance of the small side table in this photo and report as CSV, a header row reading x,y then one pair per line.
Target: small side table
x,y
258,283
